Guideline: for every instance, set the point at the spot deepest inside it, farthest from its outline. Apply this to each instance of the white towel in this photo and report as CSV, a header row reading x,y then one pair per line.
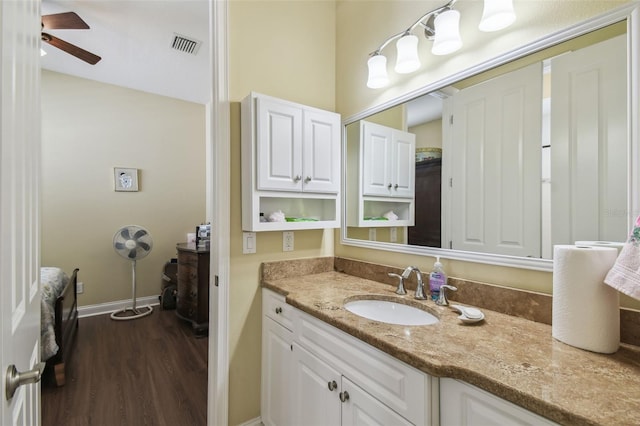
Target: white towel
x,y
624,276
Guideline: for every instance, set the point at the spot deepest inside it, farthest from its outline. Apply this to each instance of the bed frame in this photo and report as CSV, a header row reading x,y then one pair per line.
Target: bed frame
x,y
66,327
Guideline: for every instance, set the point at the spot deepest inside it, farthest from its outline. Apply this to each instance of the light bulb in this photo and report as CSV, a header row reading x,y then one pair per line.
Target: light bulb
x,y
407,60
377,72
497,15
447,29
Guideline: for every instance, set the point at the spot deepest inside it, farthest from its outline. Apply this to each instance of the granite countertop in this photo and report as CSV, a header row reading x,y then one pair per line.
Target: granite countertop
x,y
513,358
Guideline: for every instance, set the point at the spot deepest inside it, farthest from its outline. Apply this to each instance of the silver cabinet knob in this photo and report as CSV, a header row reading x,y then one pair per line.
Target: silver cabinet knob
x,y
395,186
344,396
278,310
297,178
389,186
14,379
307,179
332,385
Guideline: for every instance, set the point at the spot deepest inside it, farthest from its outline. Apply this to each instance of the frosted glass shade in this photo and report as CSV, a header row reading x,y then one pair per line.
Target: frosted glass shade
x,y
447,29
496,15
407,60
377,72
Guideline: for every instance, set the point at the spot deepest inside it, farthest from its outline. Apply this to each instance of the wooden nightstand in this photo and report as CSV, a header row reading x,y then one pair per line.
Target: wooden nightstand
x,y
192,302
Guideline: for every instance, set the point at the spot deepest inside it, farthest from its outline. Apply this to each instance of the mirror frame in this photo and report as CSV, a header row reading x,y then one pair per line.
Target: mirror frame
x,y
629,12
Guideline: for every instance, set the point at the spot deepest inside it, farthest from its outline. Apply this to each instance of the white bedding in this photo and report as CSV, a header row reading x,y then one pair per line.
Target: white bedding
x,y
52,281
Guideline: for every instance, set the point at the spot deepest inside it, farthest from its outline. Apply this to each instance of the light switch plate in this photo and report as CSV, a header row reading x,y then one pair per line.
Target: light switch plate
x,y
393,235
287,241
248,242
372,234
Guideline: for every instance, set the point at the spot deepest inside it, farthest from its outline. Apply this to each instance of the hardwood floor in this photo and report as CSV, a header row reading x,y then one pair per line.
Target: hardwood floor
x,y
149,371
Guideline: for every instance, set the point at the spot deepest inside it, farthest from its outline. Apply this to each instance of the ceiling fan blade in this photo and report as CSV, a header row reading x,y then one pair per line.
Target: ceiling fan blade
x,y
63,21
71,49
132,254
144,245
119,245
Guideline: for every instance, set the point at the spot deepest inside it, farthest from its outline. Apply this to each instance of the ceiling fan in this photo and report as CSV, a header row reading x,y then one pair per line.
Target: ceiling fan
x,y
67,21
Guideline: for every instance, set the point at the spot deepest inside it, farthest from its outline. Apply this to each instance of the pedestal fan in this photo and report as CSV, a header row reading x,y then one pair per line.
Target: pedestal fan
x,y
132,242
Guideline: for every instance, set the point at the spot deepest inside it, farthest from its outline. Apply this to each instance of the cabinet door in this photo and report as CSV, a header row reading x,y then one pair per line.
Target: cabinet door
x,y
316,399
376,150
321,152
279,144
403,164
276,365
464,405
362,409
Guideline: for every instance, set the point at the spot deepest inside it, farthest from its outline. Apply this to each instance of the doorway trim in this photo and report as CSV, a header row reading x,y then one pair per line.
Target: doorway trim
x,y
217,200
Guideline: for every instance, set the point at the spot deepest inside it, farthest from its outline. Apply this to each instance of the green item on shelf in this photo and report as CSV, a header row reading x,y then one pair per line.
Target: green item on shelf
x,y
300,219
375,218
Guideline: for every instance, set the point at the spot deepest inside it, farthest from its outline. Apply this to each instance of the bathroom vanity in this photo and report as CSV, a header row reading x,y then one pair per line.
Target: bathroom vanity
x,y
449,373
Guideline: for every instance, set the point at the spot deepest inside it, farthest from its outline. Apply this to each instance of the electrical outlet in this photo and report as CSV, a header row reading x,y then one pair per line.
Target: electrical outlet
x,y
372,234
79,287
248,242
287,241
393,235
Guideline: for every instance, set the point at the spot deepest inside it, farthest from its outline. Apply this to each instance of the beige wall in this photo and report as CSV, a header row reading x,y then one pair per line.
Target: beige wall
x,y
428,135
87,129
284,49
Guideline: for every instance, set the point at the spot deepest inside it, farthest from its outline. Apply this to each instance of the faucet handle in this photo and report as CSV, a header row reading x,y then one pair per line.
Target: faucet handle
x,y
442,299
400,290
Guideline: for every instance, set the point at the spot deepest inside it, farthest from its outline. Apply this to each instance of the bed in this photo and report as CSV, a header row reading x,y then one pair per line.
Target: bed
x,y
59,319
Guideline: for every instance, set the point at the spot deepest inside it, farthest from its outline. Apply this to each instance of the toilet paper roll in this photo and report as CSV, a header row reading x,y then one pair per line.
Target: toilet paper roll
x,y
613,244
585,311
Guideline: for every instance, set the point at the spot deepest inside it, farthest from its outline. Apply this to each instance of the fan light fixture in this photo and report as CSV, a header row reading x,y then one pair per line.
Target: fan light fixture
x,y
442,26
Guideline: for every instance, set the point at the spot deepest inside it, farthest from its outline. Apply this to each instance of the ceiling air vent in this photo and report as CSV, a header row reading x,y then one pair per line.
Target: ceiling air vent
x,y
185,44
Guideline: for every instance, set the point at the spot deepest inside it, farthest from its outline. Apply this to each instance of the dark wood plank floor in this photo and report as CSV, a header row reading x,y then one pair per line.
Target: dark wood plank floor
x,y
148,371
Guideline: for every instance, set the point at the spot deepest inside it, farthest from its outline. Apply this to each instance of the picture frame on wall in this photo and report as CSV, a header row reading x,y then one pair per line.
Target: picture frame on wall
x,y
125,179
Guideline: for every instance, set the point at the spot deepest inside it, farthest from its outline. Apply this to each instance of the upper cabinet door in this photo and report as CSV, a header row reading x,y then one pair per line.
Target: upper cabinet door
x,y
279,134
376,147
403,170
321,152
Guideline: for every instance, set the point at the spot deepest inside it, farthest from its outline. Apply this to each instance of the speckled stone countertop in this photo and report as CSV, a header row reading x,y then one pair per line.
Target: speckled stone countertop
x,y
513,358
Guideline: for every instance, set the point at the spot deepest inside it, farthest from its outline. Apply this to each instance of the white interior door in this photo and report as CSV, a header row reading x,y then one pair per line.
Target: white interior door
x,y
589,144
496,175
19,216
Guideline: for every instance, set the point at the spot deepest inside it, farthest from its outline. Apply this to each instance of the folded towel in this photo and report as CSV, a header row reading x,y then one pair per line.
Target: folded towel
x,y
390,215
276,217
625,274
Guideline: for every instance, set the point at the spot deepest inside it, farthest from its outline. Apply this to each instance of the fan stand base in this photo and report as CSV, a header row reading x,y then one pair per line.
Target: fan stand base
x,y
131,313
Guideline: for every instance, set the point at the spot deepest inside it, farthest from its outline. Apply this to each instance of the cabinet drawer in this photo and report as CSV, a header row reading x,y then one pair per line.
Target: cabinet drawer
x,y
275,307
397,385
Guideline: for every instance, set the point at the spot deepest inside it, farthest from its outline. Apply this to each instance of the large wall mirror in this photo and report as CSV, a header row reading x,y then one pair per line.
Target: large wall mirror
x,y
500,163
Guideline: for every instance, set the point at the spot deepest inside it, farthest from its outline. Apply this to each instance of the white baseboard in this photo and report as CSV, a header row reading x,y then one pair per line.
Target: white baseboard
x,y
253,422
107,308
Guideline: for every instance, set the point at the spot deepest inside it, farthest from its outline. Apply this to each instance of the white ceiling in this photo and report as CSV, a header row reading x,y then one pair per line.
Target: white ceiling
x,y
134,37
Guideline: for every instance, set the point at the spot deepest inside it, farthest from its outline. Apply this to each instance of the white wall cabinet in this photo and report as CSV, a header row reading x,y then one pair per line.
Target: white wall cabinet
x,y
388,161
462,404
336,379
385,178
290,163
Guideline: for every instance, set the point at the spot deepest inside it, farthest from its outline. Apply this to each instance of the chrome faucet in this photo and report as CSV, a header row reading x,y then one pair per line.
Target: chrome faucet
x,y
400,290
420,287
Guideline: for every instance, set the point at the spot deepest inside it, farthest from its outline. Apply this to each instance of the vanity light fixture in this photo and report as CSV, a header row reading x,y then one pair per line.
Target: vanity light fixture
x,y
442,26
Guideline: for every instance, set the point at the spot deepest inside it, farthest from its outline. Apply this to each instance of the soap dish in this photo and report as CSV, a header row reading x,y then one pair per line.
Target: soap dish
x,y
468,315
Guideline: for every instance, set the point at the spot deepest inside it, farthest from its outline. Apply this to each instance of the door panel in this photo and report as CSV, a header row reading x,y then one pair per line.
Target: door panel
x,y
19,194
589,144
496,182
321,152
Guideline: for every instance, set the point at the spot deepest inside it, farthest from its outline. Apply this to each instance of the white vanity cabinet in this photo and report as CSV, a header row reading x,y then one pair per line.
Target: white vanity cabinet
x,y
290,163
385,179
277,356
334,378
462,404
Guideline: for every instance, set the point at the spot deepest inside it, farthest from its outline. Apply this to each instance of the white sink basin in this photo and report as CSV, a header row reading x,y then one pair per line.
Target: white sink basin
x,y
390,312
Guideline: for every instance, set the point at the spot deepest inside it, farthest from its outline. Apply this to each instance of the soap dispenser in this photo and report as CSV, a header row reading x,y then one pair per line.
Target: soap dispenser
x,y
437,278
